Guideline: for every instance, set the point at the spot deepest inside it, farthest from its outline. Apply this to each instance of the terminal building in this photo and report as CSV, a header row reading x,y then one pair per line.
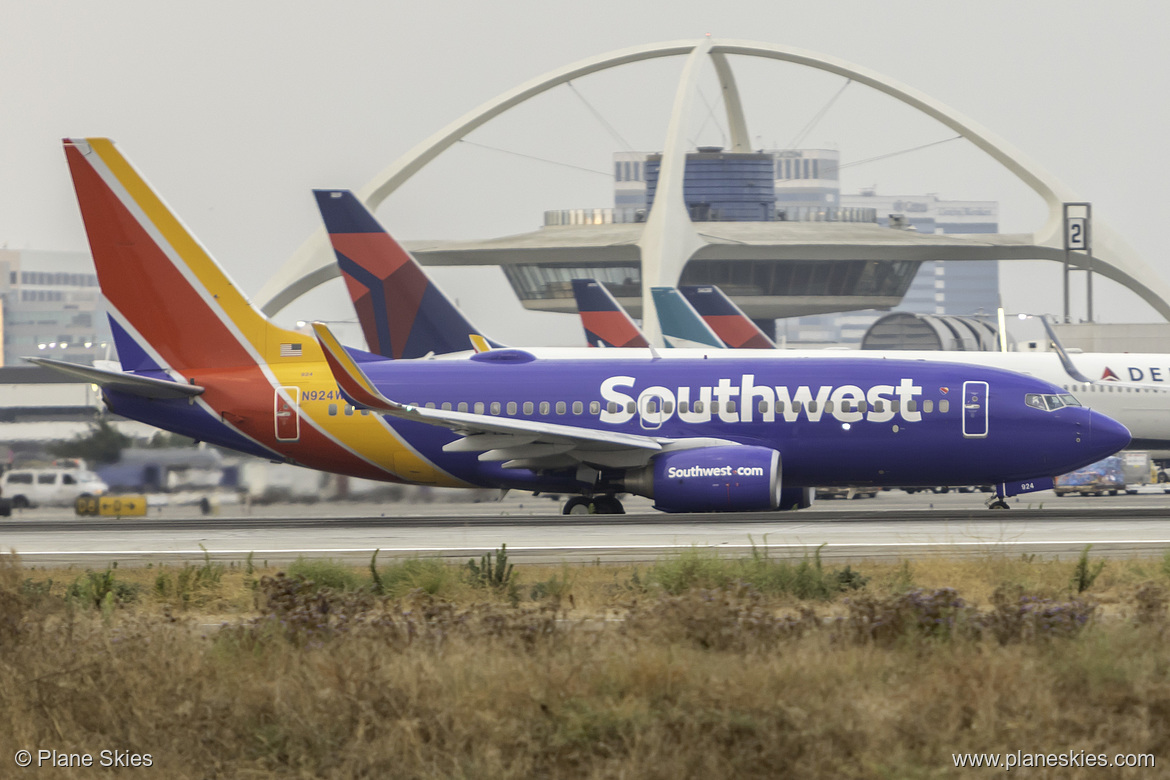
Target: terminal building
x,y
755,223
968,289
799,185
51,307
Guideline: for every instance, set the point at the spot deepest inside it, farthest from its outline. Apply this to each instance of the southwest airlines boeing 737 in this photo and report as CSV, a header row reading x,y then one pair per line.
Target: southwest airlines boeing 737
x,y
690,433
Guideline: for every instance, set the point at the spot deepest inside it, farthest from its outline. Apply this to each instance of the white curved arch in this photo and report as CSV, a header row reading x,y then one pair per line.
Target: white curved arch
x,y
312,263
669,238
736,123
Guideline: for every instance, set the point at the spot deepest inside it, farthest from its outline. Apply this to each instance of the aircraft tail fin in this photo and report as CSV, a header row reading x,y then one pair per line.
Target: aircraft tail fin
x,y
681,324
403,313
606,323
172,306
728,321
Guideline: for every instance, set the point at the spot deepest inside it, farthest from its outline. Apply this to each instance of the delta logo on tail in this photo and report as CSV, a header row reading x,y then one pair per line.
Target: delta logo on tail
x,y
403,314
734,328
606,323
203,362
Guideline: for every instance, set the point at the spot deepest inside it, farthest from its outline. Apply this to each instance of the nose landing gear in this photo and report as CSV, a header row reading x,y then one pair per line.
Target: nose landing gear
x,y
999,500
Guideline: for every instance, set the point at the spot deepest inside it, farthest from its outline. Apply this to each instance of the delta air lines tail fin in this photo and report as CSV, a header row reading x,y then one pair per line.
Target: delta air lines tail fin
x,y
728,321
606,323
403,313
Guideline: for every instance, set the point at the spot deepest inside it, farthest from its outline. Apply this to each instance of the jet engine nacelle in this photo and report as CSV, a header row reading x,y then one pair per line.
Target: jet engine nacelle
x,y
711,479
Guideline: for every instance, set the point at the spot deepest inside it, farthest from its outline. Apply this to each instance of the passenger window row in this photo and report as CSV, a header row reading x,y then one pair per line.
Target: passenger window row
x,y
668,407
1110,386
780,407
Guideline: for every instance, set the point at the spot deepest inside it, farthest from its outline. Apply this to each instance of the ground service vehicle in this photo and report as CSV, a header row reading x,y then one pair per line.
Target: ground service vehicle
x,y
846,492
49,486
1096,479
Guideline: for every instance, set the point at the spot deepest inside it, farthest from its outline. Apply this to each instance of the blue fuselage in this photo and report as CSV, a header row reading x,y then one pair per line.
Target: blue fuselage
x,y
834,421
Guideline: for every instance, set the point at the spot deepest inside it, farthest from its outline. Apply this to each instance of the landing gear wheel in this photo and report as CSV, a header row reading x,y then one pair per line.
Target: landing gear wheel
x,y
998,503
578,505
608,505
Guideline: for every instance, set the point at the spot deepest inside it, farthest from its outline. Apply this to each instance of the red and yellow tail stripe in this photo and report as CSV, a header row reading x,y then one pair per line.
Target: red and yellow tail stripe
x,y
193,320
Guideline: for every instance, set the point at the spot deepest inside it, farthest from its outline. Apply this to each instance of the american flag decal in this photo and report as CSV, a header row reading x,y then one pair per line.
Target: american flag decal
x,y
290,350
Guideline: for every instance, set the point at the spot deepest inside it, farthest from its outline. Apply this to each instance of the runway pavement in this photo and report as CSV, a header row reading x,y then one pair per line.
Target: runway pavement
x,y
893,526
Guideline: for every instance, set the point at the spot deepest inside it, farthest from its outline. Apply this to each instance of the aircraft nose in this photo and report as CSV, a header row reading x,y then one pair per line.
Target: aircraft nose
x,y
1106,435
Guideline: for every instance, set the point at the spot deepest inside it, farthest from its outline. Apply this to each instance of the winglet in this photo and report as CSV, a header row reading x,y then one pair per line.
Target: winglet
x,y
352,381
1065,360
479,343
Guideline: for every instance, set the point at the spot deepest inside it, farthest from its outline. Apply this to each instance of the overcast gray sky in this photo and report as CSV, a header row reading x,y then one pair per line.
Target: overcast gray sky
x,y
235,110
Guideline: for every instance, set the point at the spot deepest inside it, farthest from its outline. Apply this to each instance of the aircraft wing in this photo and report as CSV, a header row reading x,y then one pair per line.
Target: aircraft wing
x,y
144,386
519,443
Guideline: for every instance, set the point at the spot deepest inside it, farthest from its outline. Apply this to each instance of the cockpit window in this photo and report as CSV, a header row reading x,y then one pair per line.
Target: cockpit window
x,y
1051,402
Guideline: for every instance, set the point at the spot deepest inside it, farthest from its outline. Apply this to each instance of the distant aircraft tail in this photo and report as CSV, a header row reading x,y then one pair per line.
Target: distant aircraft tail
x,y
403,313
681,324
172,306
606,323
728,321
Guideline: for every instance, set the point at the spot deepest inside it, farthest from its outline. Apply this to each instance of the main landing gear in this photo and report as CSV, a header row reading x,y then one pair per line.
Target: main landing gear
x,y
596,505
999,500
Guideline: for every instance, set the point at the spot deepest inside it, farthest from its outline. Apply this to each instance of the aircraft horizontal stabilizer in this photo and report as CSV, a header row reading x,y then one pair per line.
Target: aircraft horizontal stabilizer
x,y
132,384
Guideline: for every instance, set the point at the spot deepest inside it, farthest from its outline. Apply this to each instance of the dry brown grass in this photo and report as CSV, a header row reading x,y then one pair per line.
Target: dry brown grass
x,y
726,681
